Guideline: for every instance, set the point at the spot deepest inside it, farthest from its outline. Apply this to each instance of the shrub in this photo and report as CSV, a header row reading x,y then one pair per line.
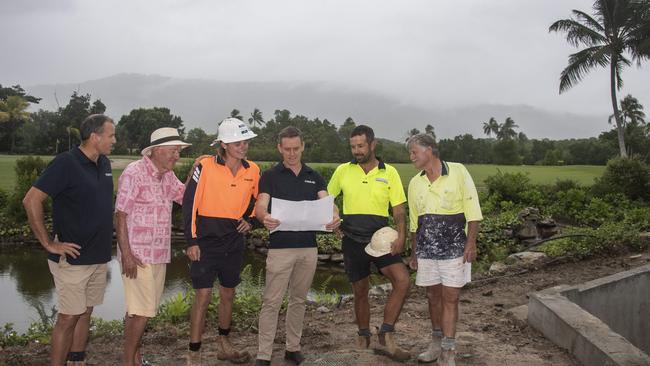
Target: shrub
x,y
508,186
611,237
629,176
27,169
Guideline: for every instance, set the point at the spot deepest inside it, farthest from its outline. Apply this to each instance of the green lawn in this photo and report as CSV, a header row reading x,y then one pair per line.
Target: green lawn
x,y
583,174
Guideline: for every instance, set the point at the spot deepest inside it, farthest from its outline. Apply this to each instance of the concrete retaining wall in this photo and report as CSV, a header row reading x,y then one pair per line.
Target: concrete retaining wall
x,y
590,339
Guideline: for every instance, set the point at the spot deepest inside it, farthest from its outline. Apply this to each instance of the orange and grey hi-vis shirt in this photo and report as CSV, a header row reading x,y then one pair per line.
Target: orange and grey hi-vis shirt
x,y
215,201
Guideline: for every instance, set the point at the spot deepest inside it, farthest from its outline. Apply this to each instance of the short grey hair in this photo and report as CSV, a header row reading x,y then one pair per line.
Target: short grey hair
x,y
425,140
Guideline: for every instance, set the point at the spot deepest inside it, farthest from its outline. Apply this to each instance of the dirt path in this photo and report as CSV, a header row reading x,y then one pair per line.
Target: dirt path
x,y
487,335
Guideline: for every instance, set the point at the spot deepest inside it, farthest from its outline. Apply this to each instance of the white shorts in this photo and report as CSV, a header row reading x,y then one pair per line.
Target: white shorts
x,y
449,272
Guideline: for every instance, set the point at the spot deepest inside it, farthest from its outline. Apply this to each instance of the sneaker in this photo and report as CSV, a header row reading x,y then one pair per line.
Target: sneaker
x,y
432,353
447,358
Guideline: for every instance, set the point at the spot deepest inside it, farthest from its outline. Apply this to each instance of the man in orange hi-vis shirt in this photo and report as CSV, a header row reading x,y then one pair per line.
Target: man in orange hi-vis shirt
x,y
217,209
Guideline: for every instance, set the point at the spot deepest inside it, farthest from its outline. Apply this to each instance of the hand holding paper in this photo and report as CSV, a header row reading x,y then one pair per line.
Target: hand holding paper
x,y
302,215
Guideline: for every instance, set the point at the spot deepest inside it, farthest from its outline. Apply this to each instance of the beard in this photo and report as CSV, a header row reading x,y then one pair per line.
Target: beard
x,y
362,159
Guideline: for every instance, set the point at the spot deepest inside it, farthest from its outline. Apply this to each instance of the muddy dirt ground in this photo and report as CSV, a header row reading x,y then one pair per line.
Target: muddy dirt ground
x,y
487,333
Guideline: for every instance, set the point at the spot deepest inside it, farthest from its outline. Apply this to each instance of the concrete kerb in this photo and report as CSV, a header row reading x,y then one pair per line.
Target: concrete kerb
x,y
570,326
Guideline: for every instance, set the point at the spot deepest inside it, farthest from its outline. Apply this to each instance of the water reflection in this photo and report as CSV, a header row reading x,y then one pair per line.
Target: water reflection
x,y
25,280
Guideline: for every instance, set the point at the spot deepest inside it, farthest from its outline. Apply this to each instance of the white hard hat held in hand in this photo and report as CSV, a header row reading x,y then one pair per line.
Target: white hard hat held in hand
x,y
233,130
381,241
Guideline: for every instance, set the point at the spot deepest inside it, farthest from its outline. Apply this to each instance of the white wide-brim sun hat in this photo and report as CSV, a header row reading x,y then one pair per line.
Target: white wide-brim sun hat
x,y
165,136
381,241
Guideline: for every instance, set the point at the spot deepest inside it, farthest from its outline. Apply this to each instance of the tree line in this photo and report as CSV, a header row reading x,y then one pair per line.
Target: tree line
x,y
51,132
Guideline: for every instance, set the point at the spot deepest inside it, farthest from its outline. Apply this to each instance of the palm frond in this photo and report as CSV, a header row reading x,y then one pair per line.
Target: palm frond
x,y
588,21
580,63
578,34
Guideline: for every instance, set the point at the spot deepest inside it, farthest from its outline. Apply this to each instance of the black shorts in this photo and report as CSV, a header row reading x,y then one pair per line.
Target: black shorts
x,y
213,264
357,261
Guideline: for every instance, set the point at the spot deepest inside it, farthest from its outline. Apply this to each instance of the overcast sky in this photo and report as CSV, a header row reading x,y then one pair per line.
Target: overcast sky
x,y
433,53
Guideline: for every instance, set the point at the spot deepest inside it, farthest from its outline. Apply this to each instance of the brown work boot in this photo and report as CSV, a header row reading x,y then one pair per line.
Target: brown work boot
x,y
447,358
363,342
388,346
226,351
194,358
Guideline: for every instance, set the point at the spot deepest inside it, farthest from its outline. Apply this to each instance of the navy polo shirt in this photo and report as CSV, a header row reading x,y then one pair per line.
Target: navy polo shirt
x,y
280,182
82,204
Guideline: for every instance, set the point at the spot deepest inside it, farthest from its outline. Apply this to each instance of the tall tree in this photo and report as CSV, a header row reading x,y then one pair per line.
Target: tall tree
x,y
134,129
17,90
507,130
491,127
617,28
412,132
12,115
235,114
256,118
429,130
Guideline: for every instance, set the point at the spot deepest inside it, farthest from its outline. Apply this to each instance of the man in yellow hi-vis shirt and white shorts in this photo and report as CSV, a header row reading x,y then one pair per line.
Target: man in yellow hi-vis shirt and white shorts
x,y
444,216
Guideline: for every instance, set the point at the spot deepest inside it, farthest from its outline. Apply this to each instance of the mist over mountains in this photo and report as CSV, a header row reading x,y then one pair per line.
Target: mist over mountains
x,y
202,103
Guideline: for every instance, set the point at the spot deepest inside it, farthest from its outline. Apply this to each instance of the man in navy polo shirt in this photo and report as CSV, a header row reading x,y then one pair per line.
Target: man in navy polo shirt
x,y
292,256
80,183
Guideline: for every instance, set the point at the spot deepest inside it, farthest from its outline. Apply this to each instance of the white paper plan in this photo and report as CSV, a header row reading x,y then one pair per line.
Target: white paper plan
x,y
302,215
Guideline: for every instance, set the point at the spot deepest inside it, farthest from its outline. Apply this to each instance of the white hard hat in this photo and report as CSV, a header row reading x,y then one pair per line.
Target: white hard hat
x,y
233,130
380,243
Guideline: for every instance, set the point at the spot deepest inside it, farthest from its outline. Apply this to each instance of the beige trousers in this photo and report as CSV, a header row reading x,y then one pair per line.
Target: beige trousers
x,y
293,268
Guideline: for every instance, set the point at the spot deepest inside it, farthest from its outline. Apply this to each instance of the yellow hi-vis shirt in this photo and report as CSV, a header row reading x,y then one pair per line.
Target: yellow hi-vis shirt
x,y
439,210
452,193
366,197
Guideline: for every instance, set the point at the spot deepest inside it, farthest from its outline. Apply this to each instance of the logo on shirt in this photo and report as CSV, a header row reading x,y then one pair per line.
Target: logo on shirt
x,y
108,174
310,181
383,180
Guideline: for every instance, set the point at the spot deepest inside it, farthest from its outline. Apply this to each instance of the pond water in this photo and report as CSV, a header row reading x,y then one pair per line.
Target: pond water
x,y
25,281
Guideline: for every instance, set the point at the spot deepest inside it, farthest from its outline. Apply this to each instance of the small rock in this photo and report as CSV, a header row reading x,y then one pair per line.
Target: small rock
x,y
324,257
467,355
323,309
524,258
497,267
337,257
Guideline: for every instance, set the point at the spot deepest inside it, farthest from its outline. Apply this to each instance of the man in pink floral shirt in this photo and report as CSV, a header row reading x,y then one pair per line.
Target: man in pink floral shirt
x,y
146,191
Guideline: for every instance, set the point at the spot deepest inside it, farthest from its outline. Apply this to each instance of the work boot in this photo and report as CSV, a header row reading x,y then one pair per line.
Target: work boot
x,y
447,358
432,353
194,358
296,357
389,346
363,342
226,351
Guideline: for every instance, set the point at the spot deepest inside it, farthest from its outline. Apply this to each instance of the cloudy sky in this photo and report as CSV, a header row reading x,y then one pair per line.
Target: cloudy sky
x,y
430,53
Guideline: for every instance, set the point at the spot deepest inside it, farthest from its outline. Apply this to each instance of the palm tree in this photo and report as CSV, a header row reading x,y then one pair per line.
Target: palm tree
x,y
507,130
13,114
235,114
256,118
491,127
617,27
631,111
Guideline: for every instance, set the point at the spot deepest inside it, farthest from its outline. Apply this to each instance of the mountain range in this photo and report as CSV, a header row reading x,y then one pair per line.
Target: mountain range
x,y
203,103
